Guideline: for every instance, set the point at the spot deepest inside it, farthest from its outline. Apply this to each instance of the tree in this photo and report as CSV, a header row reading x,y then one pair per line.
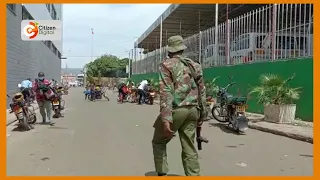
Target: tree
x,y
107,66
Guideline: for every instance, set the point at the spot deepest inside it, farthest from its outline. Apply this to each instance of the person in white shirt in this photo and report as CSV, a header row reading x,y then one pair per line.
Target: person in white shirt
x,y
141,91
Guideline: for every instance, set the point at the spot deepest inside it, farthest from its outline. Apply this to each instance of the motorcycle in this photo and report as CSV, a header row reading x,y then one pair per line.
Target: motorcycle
x,y
230,109
57,103
25,116
150,96
98,93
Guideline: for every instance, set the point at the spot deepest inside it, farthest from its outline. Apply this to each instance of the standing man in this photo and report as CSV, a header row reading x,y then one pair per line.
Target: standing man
x,y
141,91
43,102
179,108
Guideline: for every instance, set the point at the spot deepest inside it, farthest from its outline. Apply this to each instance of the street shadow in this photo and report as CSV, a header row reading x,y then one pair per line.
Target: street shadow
x,y
19,129
57,127
153,173
224,128
45,124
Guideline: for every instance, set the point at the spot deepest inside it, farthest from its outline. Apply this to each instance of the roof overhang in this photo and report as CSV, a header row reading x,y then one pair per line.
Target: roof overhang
x,y
189,19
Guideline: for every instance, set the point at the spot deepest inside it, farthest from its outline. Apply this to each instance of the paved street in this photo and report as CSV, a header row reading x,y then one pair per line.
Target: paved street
x,y
109,139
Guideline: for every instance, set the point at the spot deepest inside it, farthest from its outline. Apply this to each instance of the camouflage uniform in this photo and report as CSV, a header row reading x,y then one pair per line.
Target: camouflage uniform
x,y
178,105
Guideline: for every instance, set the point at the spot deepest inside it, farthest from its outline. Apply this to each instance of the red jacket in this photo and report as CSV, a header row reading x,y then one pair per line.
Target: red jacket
x,y
35,87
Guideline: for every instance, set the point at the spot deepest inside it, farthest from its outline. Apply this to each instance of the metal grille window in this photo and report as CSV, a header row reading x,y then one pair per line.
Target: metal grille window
x,y
48,7
53,13
25,14
12,7
270,33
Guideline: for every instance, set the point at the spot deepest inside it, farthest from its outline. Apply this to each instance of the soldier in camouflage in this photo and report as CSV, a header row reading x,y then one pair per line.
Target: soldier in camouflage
x,y
179,108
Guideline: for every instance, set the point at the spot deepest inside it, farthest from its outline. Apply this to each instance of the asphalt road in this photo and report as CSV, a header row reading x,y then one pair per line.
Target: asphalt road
x,y
109,139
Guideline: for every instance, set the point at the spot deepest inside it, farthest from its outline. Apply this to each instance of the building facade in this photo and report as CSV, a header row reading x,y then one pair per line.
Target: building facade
x,y
68,78
27,58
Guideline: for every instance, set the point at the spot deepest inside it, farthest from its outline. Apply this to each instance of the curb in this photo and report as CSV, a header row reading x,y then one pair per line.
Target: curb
x,y
11,121
255,118
282,133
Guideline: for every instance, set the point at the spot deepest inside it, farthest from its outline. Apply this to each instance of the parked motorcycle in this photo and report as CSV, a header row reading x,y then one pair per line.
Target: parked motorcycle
x,y
26,116
57,102
230,109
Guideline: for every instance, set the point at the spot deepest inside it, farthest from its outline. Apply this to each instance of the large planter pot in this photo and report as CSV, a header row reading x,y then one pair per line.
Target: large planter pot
x,y
280,113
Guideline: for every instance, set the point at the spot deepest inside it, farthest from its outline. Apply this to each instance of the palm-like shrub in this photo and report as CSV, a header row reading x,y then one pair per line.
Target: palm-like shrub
x,y
275,90
211,87
155,84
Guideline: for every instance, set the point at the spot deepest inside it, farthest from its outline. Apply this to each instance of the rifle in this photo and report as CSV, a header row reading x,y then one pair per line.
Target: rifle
x,y
200,139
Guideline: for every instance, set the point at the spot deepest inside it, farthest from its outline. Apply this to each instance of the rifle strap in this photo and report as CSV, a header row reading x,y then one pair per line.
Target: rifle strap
x,y
195,77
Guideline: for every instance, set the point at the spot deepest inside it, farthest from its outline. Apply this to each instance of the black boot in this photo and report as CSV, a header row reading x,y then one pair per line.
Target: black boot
x,y
162,174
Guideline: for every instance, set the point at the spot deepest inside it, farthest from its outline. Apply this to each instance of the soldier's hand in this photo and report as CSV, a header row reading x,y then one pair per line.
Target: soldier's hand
x,y
167,129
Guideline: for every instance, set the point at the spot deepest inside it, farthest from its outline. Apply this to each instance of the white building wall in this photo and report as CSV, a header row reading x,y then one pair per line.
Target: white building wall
x,y
26,58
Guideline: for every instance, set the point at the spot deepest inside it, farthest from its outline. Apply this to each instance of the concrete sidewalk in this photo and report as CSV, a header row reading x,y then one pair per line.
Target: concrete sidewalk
x,y
298,130
11,118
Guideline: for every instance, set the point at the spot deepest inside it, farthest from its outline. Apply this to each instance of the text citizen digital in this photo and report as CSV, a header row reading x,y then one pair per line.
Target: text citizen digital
x,y
46,29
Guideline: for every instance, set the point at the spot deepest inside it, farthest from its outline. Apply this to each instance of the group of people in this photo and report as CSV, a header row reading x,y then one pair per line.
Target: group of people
x,y
92,88
124,89
31,90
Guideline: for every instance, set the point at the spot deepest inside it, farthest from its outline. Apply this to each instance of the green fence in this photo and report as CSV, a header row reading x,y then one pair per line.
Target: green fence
x,y
247,76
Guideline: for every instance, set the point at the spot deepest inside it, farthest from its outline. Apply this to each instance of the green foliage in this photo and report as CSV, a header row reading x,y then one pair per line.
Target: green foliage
x,y
274,90
155,84
107,66
211,87
128,81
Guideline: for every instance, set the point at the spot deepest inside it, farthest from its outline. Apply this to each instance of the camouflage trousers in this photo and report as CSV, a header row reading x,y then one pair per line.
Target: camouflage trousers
x,y
185,122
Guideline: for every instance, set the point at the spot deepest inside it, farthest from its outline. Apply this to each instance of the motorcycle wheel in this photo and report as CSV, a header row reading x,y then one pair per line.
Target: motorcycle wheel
x,y
217,117
34,119
56,113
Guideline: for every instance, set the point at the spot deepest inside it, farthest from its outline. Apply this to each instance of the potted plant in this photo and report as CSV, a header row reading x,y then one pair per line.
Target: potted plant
x,y
277,97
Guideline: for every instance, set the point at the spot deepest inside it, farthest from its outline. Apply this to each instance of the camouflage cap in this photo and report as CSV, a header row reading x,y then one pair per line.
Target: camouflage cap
x,y
175,44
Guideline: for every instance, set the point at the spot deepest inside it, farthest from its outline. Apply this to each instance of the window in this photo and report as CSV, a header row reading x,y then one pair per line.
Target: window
x,y
54,49
259,41
285,42
25,14
12,7
48,7
53,13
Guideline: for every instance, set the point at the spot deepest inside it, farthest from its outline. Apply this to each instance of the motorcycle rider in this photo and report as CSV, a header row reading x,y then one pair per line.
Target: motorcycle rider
x,y
141,91
121,93
43,102
26,86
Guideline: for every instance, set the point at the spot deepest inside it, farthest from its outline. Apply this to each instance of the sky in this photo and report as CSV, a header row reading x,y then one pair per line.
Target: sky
x,y
115,28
